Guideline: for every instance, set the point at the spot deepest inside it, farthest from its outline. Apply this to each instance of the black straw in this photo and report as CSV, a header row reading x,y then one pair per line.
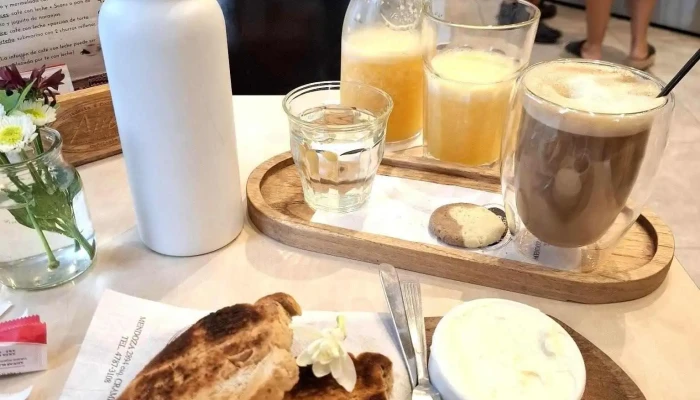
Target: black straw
x,y
687,67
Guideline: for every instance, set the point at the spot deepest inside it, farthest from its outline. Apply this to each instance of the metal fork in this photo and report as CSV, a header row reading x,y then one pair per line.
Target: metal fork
x,y
416,325
392,290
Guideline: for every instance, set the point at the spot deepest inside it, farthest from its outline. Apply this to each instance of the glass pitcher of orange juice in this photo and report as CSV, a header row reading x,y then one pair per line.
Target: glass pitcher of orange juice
x,y
382,47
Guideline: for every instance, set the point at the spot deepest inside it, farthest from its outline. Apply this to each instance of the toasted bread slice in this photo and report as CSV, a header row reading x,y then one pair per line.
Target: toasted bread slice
x,y
239,352
374,382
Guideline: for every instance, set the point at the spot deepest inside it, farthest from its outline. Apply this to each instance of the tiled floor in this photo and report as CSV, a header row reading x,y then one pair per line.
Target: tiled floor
x,y
676,196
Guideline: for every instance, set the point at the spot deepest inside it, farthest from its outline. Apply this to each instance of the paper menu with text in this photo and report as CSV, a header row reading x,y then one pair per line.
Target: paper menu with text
x,y
51,32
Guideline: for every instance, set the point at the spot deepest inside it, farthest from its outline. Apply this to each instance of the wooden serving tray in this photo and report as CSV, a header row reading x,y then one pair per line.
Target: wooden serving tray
x,y
605,380
276,206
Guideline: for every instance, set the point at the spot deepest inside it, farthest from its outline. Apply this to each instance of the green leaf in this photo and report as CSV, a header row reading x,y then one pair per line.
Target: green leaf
x,y
47,205
11,102
29,200
22,217
17,196
24,94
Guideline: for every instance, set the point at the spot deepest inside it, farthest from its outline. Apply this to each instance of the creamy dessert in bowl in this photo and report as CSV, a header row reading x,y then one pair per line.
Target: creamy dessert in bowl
x,y
503,350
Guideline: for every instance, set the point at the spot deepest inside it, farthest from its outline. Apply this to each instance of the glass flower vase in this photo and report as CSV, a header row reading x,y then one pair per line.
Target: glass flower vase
x,y
47,235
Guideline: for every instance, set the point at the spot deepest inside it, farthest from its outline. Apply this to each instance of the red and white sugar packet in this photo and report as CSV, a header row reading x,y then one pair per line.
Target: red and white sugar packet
x,y
22,345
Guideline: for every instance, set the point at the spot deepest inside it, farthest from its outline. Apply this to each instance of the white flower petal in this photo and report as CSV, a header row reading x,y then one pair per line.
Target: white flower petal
x,y
321,370
327,355
320,352
308,356
304,359
343,370
324,356
41,114
336,351
15,132
2,110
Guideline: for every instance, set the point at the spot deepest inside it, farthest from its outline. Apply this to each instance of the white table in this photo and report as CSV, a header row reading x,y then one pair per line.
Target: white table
x,y
656,339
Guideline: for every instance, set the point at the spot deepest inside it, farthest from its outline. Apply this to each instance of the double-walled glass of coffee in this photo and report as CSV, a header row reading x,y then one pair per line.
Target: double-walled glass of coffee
x,y
582,146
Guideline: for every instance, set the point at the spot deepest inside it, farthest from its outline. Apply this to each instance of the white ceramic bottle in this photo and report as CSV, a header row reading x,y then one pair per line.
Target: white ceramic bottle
x,y
167,65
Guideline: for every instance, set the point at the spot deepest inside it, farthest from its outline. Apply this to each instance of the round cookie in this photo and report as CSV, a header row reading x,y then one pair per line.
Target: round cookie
x,y
466,225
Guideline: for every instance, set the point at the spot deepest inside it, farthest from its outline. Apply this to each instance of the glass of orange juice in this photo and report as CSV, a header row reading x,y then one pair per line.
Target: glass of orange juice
x,y
382,47
473,51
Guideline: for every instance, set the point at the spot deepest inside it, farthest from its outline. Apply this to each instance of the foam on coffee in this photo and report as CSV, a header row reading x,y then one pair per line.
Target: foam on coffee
x,y
602,99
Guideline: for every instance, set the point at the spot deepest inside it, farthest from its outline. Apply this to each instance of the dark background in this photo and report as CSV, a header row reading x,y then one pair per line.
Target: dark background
x,y
277,45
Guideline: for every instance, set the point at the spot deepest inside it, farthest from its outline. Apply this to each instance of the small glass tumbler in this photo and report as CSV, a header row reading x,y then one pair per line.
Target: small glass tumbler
x,y
337,135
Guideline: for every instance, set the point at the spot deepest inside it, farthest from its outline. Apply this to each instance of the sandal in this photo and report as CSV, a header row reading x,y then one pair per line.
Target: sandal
x,y
644,63
575,48
547,11
546,34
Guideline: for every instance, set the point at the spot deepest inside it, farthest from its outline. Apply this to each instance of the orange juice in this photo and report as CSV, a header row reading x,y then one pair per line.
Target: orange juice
x,y
390,60
467,94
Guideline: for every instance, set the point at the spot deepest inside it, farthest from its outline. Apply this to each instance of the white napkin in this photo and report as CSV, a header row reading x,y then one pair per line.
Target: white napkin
x,y
4,307
401,208
23,395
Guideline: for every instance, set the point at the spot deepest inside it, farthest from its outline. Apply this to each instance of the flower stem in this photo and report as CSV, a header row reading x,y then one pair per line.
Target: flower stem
x,y
38,145
32,170
39,149
20,185
53,262
74,232
84,243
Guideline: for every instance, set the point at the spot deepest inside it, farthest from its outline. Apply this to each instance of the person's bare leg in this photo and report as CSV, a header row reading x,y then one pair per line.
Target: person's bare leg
x,y
597,17
640,13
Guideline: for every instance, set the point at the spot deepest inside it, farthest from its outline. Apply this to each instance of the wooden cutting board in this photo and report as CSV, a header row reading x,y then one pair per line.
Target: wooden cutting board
x,y
605,380
276,206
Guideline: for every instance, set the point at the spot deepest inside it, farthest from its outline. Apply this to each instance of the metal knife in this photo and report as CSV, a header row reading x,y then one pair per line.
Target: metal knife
x,y
392,291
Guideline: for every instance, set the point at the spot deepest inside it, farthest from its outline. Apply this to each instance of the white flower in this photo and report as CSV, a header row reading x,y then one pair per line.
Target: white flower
x,y
2,110
15,132
326,355
40,113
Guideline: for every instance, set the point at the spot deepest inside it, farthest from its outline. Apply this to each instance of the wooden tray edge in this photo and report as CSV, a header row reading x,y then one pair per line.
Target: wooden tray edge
x,y
275,224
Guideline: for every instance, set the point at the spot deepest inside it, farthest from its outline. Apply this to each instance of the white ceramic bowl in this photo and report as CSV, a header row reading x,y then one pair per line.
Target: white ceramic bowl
x,y
503,350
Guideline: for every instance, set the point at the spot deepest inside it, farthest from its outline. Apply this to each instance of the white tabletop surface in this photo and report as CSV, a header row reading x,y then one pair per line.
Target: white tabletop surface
x,y
655,339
